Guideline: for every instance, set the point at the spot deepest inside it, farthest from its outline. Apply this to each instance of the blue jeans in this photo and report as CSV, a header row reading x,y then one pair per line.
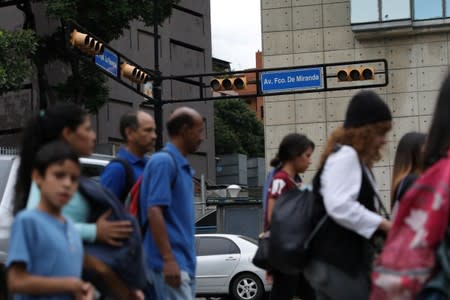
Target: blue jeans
x,y
163,291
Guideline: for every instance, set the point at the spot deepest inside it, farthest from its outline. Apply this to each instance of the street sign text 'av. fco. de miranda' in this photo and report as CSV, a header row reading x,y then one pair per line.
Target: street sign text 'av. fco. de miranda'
x,y
291,80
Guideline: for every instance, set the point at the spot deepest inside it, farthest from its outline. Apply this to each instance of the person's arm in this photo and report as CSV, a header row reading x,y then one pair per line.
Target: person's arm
x,y
171,270
20,281
113,178
277,187
270,205
104,230
340,185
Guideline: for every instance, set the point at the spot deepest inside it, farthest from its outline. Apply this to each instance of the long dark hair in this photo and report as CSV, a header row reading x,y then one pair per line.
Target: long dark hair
x,y
291,146
408,158
438,138
42,128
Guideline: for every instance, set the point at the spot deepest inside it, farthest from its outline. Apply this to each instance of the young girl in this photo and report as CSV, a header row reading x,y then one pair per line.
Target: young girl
x,y
45,254
293,158
341,250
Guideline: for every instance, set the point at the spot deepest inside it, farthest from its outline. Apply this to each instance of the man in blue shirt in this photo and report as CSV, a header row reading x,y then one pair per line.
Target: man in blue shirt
x,y
139,133
167,202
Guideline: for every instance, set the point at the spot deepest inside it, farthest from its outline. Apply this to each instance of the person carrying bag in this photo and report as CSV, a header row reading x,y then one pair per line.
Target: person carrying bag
x,y
294,157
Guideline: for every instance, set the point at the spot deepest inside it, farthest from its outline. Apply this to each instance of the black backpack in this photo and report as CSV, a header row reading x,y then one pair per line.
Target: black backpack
x,y
292,228
294,223
128,260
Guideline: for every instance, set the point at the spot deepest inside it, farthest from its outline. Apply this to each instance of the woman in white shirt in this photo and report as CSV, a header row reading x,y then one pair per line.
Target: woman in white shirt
x,y
346,192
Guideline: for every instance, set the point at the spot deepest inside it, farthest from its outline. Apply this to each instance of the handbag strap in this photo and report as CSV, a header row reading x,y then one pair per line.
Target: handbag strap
x,y
381,208
316,229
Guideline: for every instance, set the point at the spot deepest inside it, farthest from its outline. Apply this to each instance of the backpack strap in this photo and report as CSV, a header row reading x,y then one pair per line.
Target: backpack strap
x,y
172,186
129,177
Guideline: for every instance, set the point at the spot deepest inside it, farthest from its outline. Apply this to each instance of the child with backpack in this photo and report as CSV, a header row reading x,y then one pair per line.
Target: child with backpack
x,y
45,254
105,236
415,262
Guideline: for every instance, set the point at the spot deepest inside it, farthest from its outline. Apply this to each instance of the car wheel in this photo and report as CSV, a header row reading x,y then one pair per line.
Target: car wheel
x,y
247,286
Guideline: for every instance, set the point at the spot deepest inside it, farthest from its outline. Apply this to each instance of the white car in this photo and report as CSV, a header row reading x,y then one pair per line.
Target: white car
x,y
91,167
224,267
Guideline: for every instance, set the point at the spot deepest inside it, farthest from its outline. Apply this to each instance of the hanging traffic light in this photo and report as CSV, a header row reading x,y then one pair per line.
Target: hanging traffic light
x,y
229,83
86,43
354,74
133,73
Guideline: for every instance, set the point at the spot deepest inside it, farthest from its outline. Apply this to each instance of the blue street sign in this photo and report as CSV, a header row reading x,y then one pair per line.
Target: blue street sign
x,y
291,80
108,61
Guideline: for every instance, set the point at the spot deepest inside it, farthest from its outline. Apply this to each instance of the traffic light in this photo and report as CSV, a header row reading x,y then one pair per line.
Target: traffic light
x,y
228,83
354,74
133,73
86,43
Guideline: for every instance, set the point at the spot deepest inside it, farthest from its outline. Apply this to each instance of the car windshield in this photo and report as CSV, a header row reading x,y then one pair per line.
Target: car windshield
x,y
249,239
5,167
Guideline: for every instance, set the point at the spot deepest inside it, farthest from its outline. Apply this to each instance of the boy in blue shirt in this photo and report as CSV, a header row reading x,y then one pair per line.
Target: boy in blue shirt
x,y
45,254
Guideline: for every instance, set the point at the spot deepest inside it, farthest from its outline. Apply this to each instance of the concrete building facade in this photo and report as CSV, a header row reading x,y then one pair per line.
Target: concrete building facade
x,y
184,48
413,38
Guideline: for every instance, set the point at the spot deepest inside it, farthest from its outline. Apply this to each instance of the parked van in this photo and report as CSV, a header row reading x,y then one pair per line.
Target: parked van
x,y
90,167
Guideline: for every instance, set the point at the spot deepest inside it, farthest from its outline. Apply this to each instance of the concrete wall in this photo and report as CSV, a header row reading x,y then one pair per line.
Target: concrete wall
x,y
301,32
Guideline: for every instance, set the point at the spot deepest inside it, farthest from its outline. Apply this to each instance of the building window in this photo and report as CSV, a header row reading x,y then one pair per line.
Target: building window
x,y
364,11
428,9
395,10
376,11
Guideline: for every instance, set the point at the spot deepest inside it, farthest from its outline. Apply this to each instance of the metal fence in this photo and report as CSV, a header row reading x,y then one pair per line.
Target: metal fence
x,y
9,151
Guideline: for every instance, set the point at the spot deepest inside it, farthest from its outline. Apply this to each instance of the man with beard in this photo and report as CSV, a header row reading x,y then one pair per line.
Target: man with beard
x,y
139,133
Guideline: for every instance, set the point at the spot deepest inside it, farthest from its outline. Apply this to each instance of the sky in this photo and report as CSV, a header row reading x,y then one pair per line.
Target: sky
x,y
236,31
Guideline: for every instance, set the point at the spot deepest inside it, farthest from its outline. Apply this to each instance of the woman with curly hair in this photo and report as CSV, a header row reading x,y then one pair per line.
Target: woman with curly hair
x,y
346,192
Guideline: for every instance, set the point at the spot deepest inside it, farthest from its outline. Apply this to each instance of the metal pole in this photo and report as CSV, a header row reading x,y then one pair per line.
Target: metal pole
x,y
158,111
203,193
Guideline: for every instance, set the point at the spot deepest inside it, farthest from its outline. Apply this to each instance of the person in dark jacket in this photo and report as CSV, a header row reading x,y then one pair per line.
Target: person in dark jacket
x,y
346,191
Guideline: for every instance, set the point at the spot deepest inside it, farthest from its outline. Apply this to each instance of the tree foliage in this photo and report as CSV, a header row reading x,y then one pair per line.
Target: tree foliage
x,y
237,130
106,19
16,50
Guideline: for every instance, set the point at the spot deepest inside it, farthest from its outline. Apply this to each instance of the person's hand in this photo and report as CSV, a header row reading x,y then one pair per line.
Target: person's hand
x,y
269,278
137,295
385,225
112,232
172,274
81,290
88,290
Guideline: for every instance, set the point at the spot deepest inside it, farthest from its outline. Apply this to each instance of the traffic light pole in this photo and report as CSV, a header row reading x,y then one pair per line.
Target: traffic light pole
x,y
286,80
269,82
157,82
